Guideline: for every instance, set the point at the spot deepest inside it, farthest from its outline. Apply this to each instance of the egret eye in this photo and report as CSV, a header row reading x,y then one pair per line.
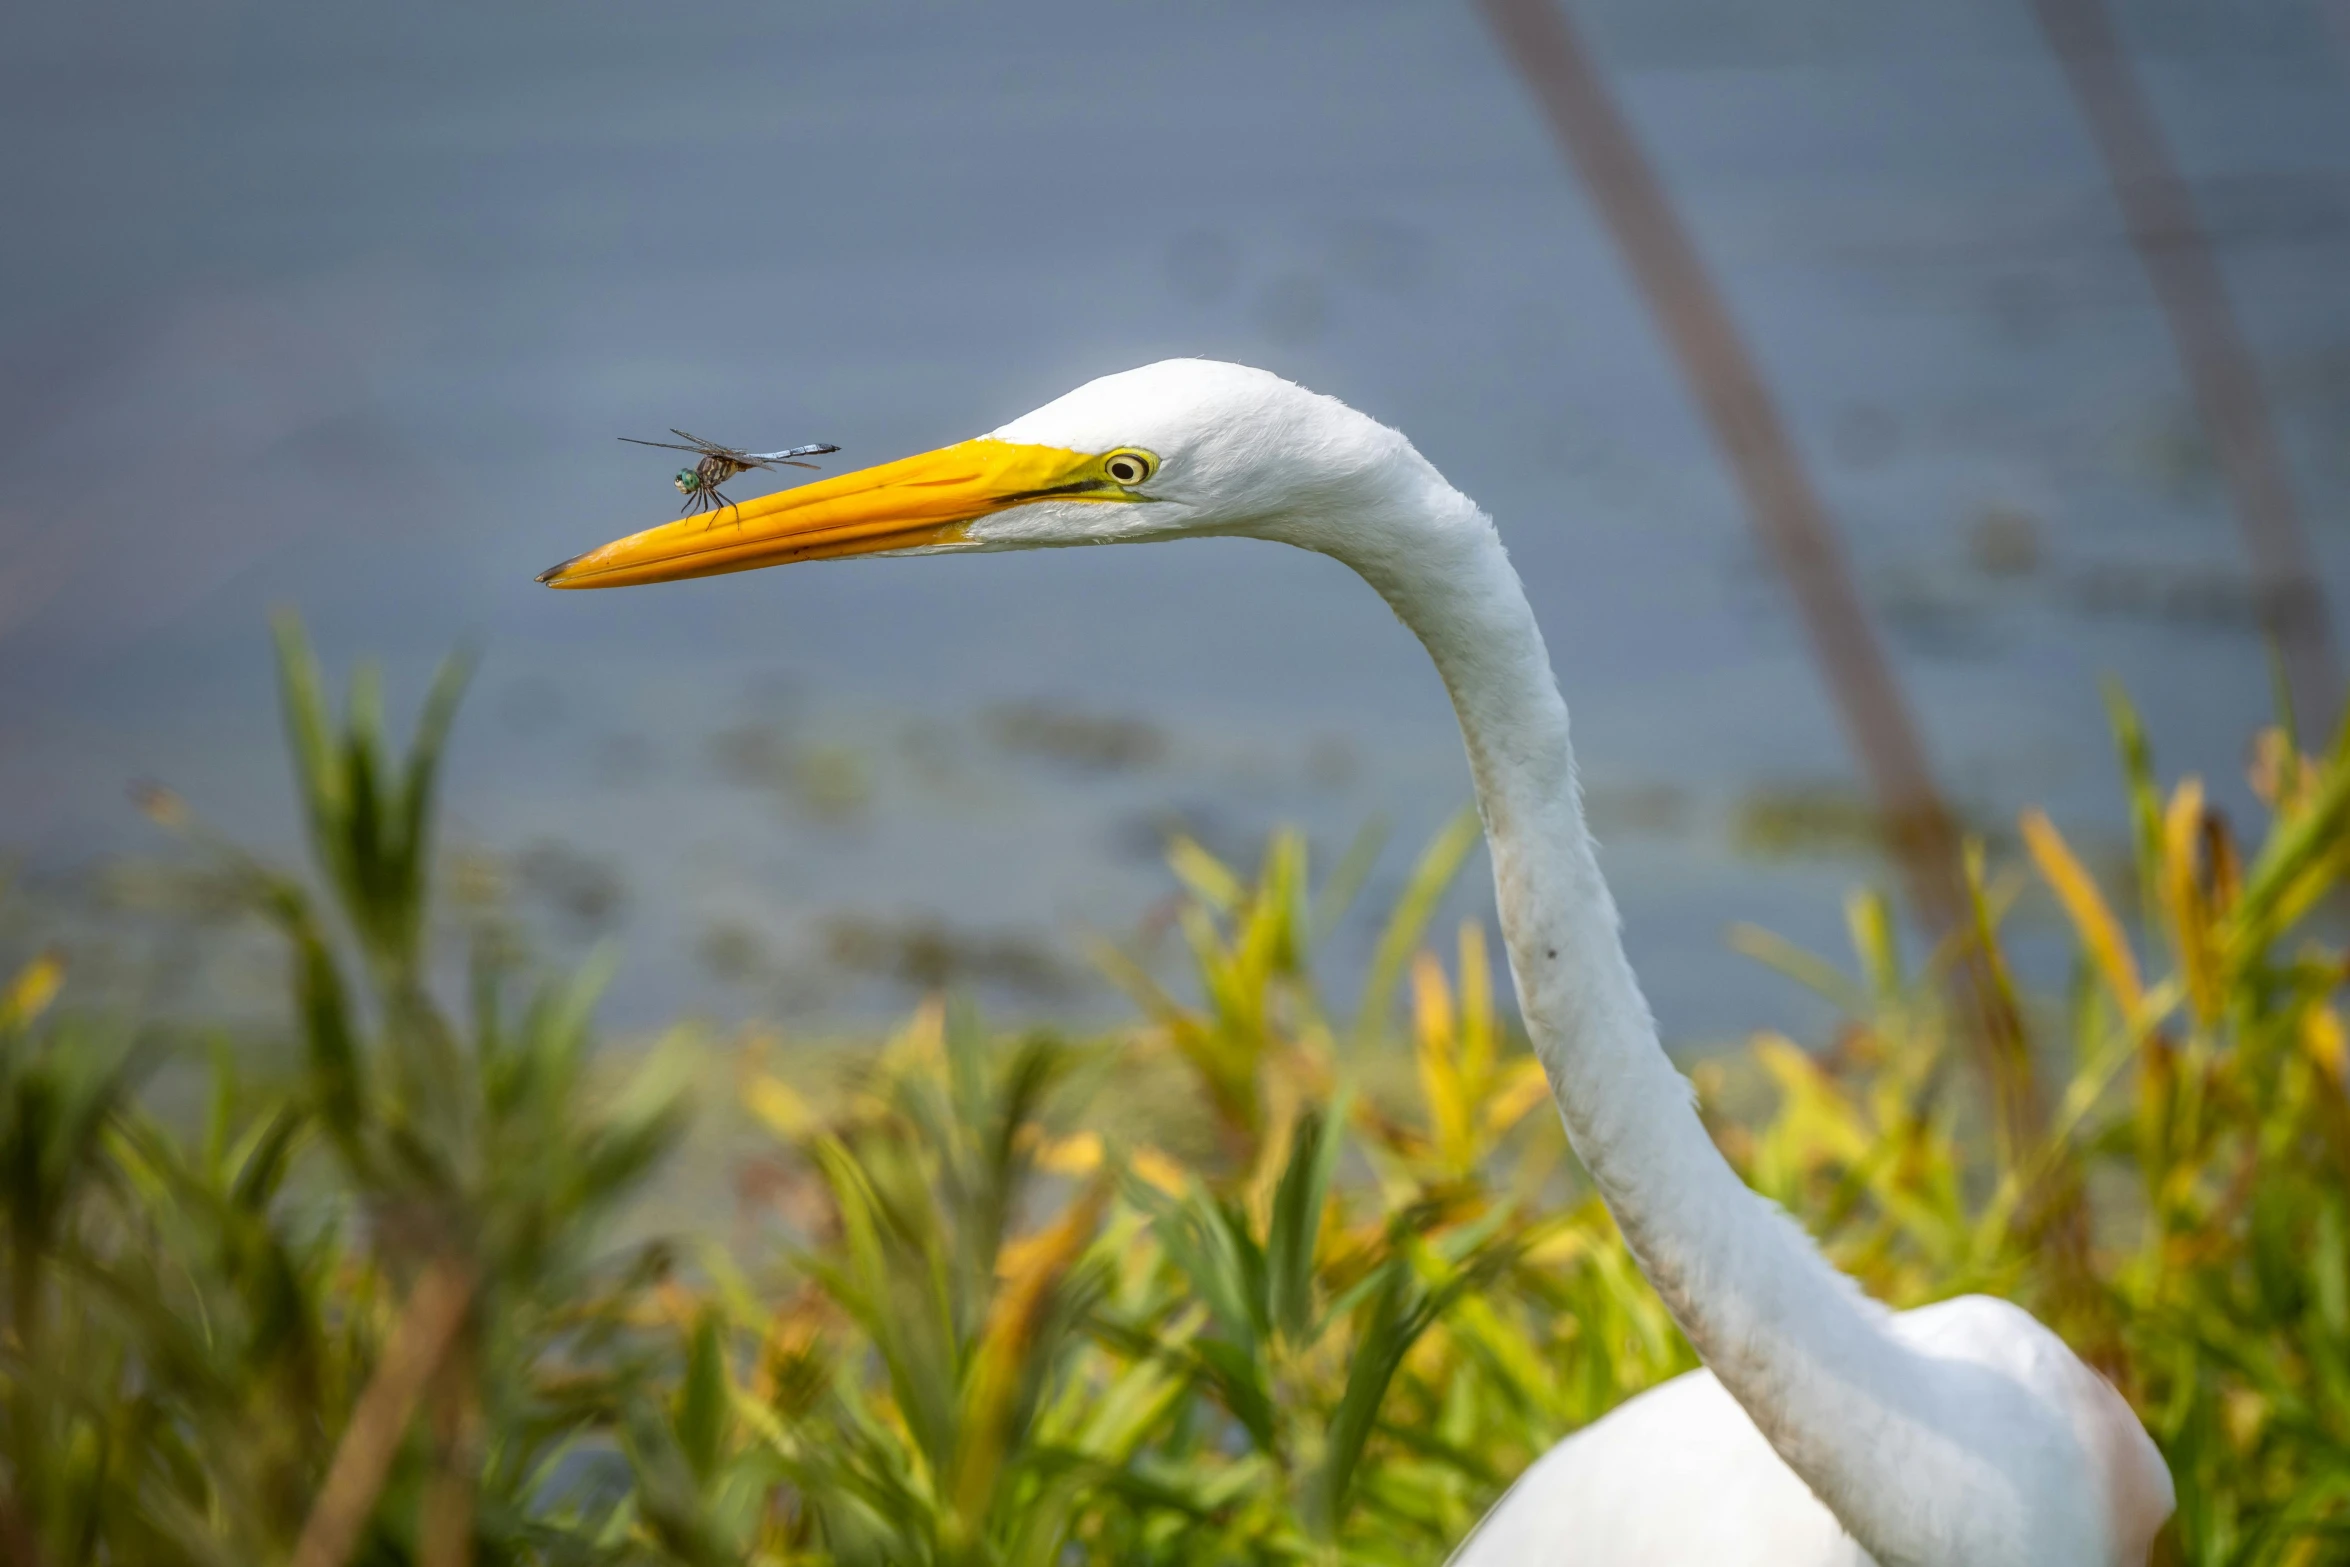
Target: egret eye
x,y
1129,467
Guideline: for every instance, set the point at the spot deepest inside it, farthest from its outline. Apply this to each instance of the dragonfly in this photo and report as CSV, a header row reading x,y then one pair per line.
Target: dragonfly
x,y
699,484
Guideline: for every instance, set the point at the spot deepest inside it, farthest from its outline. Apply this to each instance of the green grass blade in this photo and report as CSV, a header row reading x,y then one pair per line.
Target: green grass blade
x,y
1438,864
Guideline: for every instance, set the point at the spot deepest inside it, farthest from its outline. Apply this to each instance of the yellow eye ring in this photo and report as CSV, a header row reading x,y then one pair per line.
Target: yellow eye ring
x,y
1129,467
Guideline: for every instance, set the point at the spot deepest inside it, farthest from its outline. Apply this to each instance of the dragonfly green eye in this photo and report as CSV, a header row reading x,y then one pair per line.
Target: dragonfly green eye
x,y
687,481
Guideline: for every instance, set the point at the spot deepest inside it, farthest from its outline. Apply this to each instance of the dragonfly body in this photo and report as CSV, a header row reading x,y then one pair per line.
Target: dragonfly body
x,y
699,484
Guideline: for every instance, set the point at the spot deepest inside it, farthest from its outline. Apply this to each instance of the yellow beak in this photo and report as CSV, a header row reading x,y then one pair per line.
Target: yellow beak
x,y
912,503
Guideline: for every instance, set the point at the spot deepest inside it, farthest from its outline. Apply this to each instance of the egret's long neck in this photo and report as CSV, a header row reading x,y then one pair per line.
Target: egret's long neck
x,y
1793,1340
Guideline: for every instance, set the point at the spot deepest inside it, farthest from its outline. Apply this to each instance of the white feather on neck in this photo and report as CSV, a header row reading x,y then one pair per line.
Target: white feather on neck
x,y
1869,1424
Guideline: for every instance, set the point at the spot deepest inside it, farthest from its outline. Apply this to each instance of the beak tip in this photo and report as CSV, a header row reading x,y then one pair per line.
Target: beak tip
x,y
553,576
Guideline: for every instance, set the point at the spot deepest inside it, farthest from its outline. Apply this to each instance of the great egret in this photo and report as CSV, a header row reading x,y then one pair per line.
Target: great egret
x,y
1823,1425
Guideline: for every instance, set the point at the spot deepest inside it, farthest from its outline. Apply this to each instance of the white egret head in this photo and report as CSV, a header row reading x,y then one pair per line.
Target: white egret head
x,y
1182,447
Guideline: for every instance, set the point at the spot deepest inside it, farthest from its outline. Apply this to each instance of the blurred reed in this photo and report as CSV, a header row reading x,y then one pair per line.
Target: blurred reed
x,y
2222,375
1785,507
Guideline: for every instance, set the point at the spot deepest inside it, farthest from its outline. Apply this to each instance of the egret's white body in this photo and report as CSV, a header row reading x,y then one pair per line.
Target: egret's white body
x,y
1824,1429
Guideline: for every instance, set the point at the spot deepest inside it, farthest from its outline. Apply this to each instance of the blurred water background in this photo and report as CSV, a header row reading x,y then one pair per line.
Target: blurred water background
x,y
343,308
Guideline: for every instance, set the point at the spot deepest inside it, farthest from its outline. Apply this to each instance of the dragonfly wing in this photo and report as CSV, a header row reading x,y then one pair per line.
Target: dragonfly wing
x,y
736,459
712,448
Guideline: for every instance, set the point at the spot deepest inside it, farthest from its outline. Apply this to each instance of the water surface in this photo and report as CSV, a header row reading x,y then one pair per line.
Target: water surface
x,y
344,309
